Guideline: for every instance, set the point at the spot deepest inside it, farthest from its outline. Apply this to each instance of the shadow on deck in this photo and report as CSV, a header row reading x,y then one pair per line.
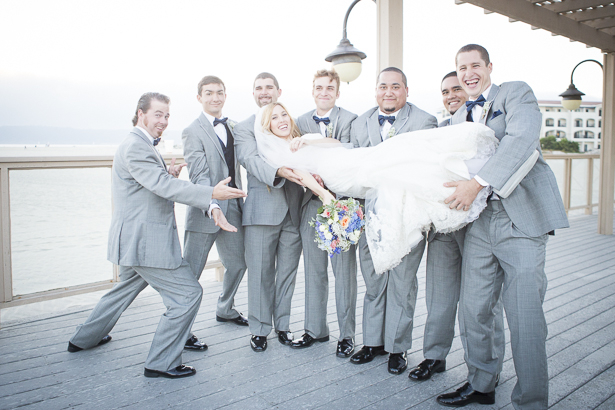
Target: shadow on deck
x,y
37,372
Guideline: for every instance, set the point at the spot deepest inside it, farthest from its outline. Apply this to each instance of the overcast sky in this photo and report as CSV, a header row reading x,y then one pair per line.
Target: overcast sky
x,y
84,63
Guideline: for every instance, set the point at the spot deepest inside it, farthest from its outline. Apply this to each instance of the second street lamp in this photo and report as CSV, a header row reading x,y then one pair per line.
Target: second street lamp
x,y
571,98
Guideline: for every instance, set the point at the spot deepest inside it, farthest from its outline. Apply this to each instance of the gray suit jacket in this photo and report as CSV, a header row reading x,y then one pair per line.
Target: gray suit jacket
x,y
535,207
207,167
365,130
143,230
269,198
340,121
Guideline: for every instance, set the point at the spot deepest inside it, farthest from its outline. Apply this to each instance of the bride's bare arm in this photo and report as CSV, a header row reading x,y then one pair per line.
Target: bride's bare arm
x,y
308,180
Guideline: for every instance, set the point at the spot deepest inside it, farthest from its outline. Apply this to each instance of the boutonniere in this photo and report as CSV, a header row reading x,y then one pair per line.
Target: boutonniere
x,y
330,130
486,108
391,133
232,124
496,114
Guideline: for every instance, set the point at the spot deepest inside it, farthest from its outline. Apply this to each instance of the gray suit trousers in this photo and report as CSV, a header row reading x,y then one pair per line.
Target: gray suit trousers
x,y
231,250
443,278
390,298
498,258
270,284
344,267
181,294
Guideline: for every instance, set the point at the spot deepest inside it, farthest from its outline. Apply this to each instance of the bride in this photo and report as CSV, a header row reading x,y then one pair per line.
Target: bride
x,y
401,178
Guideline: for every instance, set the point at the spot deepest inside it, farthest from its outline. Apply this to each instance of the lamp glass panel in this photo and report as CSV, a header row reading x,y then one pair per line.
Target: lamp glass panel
x,y
571,105
348,71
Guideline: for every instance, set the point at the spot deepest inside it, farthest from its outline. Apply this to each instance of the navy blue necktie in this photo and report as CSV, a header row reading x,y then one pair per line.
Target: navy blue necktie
x,y
471,104
383,118
318,120
156,141
220,121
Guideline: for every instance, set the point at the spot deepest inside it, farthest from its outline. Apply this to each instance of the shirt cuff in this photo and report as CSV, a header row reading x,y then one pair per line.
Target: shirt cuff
x,y
481,181
211,208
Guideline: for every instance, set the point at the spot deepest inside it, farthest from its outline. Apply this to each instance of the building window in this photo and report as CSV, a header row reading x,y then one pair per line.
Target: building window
x,y
584,134
600,112
556,134
578,122
600,123
599,136
561,122
591,123
550,122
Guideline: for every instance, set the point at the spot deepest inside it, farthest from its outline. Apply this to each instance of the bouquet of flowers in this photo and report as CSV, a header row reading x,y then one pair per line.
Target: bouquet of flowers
x,y
338,225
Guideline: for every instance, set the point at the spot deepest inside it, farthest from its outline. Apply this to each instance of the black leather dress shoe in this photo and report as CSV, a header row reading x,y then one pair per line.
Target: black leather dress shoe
x,y
258,343
73,349
426,369
239,320
397,363
194,344
179,371
464,396
285,337
345,348
306,341
366,354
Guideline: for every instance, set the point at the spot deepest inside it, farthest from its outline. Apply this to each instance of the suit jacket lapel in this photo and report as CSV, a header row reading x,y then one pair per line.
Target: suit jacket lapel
x,y
373,128
313,127
489,104
401,118
138,132
211,134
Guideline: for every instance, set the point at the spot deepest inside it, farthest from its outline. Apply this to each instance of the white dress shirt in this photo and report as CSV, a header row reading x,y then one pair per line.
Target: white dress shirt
x,y
220,129
477,112
386,126
323,127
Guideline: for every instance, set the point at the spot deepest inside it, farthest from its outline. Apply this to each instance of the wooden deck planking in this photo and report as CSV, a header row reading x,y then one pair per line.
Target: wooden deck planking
x,y
37,372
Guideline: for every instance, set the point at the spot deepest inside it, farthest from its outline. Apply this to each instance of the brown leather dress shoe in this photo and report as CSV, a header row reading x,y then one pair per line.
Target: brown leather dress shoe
x,y
464,396
426,369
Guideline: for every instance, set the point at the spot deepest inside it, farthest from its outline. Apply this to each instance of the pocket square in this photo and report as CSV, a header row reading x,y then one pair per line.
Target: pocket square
x,y
496,114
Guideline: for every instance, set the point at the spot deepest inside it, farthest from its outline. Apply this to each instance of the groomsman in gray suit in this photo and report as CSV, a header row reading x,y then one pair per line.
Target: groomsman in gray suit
x,y
210,153
271,217
331,122
443,276
390,297
143,241
505,247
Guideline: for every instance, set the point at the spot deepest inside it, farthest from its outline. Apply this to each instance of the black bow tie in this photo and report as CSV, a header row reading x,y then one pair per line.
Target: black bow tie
x,y
479,101
220,121
156,141
318,120
383,118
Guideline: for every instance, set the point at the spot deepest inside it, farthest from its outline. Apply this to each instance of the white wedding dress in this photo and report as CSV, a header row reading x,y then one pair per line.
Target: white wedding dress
x,y
401,180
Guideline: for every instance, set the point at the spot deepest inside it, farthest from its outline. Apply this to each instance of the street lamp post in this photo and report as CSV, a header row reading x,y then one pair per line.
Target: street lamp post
x,y
345,58
571,98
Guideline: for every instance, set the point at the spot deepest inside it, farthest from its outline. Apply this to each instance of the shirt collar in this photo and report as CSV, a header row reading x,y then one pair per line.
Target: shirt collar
x,y
387,114
484,94
210,118
328,114
151,139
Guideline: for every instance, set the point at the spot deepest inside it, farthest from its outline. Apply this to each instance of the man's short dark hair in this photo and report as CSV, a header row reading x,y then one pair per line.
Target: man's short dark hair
x,y
451,74
484,54
395,70
210,79
265,75
146,101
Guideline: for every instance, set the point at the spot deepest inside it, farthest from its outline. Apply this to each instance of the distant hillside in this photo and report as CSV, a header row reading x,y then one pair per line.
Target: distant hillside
x,y
70,136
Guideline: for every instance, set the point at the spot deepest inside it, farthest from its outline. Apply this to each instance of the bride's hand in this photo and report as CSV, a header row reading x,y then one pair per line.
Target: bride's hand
x,y
296,143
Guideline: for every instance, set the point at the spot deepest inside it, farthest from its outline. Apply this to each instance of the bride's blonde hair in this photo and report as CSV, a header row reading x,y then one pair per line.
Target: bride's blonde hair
x,y
266,120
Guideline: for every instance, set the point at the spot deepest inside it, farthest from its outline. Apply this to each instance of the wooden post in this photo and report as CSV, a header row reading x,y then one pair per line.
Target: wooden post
x,y
607,151
6,280
390,34
567,182
590,185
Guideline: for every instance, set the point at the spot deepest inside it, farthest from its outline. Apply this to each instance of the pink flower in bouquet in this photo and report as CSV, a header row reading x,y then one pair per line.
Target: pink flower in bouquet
x,y
345,208
326,214
345,221
360,213
334,244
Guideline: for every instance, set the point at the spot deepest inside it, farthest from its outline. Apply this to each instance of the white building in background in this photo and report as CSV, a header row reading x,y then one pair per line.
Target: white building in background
x,y
582,125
